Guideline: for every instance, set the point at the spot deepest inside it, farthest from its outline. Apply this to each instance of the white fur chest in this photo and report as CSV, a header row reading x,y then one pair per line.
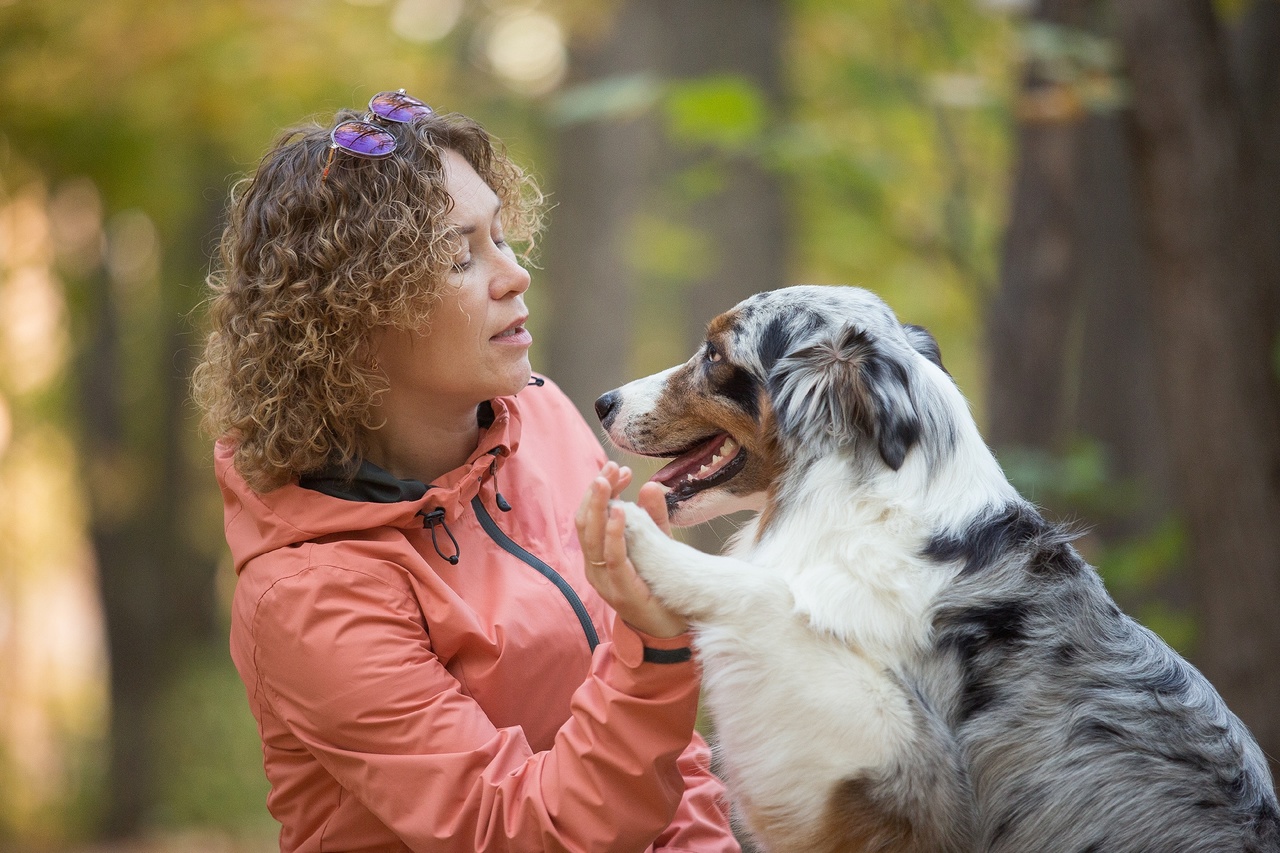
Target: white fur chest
x,y
801,684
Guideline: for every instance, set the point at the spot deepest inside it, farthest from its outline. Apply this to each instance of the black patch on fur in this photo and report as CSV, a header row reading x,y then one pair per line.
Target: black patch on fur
x,y
924,343
1170,680
1055,559
989,538
776,341
742,388
896,431
1066,654
981,637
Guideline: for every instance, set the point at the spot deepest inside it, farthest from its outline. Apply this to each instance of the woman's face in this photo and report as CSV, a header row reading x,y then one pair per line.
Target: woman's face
x,y
475,346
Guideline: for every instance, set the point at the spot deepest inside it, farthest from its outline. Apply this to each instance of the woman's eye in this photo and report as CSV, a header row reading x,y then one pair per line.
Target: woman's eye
x,y
712,354
463,265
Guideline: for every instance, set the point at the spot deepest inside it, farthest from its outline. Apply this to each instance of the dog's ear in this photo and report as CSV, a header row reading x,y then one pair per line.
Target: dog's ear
x,y
844,388
924,343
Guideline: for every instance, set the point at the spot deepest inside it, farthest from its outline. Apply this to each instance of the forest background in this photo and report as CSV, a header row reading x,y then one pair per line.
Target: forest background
x,y
1080,198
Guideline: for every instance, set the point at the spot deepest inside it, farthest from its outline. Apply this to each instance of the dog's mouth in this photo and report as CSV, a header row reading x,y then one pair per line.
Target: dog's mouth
x,y
704,465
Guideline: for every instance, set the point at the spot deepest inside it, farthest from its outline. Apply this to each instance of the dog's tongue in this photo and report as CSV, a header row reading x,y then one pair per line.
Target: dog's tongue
x,y
699,463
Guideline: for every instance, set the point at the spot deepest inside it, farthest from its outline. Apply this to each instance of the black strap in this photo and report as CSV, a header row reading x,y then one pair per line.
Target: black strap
x,y
668,655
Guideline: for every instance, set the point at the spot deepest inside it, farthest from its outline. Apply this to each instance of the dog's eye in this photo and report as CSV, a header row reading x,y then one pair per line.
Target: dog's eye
x,y
712,354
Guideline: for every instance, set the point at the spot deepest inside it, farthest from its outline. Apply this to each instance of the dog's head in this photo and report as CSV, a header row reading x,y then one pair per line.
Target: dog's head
x,y
783,376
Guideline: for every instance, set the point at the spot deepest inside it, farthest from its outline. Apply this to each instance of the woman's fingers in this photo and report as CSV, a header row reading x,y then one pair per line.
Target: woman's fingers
x,y
591,518
623,480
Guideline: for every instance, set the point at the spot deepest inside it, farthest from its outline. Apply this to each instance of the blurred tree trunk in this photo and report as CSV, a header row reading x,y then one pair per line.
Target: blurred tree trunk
x,y
611,170
1138,306
1069,330
157,590
1205,153
600,176
745,221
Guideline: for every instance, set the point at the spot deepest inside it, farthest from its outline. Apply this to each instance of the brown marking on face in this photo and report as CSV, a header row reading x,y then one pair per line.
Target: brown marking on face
x,y
722,325
689,410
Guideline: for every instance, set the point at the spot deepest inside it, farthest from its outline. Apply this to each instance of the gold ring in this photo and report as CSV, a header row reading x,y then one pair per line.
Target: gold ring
x,y
594,563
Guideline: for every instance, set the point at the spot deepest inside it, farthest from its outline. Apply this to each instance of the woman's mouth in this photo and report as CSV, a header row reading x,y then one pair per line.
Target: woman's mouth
x,y
515,335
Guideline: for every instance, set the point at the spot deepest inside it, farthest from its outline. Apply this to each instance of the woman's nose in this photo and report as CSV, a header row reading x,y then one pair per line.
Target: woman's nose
x,y
512,277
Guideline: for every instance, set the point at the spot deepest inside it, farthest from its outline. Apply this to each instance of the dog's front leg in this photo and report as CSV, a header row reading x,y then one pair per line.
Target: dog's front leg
x,y
699,586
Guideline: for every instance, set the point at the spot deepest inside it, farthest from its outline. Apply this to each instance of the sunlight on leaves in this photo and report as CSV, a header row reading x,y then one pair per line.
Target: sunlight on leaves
x,y
724,111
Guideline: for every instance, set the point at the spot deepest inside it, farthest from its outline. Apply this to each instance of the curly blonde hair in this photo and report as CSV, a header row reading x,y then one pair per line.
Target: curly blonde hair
x,y
310,268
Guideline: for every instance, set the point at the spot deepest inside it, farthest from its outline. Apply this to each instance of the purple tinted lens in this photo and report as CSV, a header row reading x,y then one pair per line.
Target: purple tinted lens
x,y
363,139
398,107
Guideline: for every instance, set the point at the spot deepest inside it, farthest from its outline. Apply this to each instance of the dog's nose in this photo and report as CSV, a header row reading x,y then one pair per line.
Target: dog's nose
x,y
607,407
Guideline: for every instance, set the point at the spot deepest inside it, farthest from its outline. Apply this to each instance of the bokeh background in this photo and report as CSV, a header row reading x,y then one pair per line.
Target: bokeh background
x,y
1081,198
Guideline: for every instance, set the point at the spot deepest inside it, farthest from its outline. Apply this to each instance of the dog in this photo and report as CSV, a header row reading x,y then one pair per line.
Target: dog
x,y
899,652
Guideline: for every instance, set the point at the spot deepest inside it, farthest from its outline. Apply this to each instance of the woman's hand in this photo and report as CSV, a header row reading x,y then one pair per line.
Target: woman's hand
x,y
601,529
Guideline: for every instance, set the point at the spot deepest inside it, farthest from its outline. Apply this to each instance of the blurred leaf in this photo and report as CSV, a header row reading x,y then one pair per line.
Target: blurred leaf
x,y
668,251
1176,627
1138,564
208,750
1078,476
610,98
723,111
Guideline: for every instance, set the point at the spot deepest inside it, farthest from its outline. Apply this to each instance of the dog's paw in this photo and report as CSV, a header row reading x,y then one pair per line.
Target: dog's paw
x,y
641,531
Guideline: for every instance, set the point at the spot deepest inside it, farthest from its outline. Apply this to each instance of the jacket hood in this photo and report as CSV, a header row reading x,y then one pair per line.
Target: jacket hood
x,y
359,497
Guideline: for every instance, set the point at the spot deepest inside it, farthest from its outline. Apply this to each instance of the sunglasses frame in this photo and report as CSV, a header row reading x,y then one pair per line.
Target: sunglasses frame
x,y
383,107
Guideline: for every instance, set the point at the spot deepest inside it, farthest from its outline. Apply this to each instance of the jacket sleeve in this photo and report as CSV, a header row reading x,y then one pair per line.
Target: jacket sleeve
x,y
344,660
701,824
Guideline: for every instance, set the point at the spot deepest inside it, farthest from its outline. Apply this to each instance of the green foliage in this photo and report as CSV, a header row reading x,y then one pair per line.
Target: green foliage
x,y
1135,569
1142,563
898,152
1079,478
207,750
1136,565
724,111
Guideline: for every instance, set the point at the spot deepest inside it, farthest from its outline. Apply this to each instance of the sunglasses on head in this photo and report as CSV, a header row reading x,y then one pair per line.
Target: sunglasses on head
x,y
364,138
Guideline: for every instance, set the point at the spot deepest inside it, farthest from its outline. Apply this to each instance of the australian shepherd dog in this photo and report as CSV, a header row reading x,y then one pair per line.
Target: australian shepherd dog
x,y
900,653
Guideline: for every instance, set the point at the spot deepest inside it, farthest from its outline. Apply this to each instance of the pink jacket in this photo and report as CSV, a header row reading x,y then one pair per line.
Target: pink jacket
x,y
431,671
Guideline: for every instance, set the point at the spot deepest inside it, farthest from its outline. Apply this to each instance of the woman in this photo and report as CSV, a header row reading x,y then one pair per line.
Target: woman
x,y
432,661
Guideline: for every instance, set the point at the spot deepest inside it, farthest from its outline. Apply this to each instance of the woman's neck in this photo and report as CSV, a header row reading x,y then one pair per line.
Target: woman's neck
x,y
425,443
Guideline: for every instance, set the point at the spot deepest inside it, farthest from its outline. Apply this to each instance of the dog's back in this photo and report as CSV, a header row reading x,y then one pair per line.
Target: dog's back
x,y
1082,730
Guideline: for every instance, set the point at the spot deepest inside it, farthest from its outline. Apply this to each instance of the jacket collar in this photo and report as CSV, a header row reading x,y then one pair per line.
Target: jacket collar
x,y
361,497
364,481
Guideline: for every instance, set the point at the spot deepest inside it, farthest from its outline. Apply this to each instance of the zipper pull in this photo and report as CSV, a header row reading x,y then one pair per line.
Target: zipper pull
x,y
434,519
497,495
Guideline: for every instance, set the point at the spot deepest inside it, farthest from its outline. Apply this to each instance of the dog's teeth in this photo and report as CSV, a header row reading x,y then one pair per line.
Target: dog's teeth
x,y
715,460
728,447
703,469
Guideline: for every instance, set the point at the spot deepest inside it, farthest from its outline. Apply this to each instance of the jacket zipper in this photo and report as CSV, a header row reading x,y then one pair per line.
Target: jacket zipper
x,y
508,545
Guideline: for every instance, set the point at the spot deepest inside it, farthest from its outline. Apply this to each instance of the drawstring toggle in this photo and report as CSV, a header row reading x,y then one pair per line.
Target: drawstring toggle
x,y
434,519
